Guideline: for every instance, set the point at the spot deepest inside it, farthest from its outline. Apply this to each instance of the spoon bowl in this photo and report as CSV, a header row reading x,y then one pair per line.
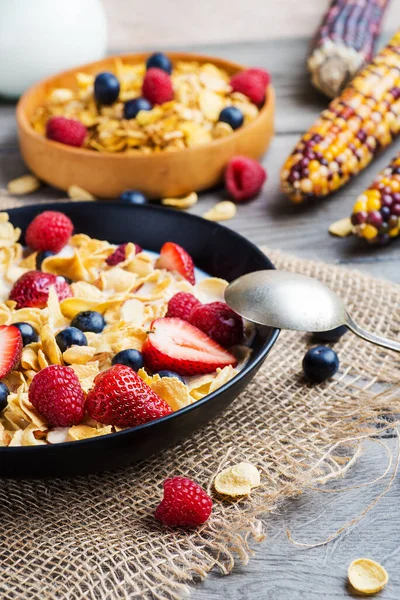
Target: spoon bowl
x,y
291,301
286,301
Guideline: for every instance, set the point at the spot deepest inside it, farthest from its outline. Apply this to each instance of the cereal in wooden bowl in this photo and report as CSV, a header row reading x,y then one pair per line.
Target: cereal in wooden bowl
x,y
147,109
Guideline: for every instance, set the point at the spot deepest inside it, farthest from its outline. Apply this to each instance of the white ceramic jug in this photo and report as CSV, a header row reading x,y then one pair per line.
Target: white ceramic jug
x,y
40,37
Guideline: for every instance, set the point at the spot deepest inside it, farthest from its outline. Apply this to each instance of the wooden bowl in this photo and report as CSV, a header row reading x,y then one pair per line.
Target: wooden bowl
x,y
156,175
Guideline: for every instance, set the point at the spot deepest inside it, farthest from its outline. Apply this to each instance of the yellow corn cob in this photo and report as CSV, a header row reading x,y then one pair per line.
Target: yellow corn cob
x,y
376,213
347,135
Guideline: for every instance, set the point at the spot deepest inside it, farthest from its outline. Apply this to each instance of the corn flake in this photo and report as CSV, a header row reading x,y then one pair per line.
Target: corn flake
x,y
367,576
78,194
238,480
341,228
186,202
23,185
222,211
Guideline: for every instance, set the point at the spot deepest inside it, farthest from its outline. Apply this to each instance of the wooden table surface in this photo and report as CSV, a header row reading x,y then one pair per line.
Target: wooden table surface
x,y
282,571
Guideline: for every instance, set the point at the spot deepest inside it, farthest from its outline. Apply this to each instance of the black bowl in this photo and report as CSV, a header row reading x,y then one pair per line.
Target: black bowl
x,y
215,249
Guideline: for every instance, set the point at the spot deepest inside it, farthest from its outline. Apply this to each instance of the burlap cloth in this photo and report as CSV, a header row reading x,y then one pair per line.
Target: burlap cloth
x,y
96,538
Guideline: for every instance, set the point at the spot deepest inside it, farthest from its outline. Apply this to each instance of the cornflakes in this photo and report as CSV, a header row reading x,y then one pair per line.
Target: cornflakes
x,y
186,202
129,295
23,185
341,228
222,211
367,576
201,91
238,480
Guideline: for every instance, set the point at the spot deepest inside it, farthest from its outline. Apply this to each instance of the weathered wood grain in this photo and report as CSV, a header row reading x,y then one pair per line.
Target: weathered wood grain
x,y
271,219
155,24
281,571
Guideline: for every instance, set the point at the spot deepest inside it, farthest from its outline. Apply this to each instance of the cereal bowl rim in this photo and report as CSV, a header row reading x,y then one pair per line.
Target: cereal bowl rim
x,y
253,364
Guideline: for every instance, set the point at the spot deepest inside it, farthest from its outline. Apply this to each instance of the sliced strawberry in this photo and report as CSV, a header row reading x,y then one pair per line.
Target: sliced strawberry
x,y
10,348
175,258
175,345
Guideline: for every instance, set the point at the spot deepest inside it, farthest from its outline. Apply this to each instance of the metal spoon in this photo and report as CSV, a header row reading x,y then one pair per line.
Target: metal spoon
x,y
291,301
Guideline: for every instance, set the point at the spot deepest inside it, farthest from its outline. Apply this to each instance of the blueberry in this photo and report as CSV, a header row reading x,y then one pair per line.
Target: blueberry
x,y
4,391
159,61
71,336
89,320
106,88
231,115
333,335
129,358
28,333
320,363
133,197
40,256
170,374
132,107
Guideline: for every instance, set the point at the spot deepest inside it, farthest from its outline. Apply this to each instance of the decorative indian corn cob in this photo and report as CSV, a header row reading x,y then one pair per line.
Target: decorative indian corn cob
x,y
344,41
347,135
376,213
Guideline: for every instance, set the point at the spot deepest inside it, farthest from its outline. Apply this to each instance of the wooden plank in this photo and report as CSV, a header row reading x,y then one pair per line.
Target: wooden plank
x,y
271,219
154,26
282,571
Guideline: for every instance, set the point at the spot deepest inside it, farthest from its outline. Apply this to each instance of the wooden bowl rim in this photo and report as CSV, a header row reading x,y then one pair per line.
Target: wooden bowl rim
x,y
26,127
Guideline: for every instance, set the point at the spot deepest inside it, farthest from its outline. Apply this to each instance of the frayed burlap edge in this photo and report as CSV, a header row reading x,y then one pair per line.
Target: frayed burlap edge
x,y
95,537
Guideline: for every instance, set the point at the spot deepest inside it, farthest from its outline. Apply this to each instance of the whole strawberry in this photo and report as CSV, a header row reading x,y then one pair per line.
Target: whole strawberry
x,y
32,289
252,83
57,394
66,131
51,230
119,254
157,86
181,305
185,503
120,397
219,322
244,178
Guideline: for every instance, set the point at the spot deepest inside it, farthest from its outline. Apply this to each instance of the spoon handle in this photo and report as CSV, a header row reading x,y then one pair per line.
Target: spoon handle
x,y
371,337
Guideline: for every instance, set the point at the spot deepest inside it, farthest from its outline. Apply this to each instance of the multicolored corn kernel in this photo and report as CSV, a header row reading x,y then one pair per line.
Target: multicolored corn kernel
x,y
344,41
347,135
376,213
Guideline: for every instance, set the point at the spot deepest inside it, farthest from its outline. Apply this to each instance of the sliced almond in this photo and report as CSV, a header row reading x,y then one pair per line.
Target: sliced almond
x,y
23,185
341,228
223,211
185,202
78,194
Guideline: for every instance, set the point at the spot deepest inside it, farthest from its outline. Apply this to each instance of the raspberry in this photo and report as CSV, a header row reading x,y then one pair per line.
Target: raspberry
x,y
57,394
120,397
32,289
157,86
119,254
244,178
66,131
185,503
219,322
252,83
181,305
50,230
